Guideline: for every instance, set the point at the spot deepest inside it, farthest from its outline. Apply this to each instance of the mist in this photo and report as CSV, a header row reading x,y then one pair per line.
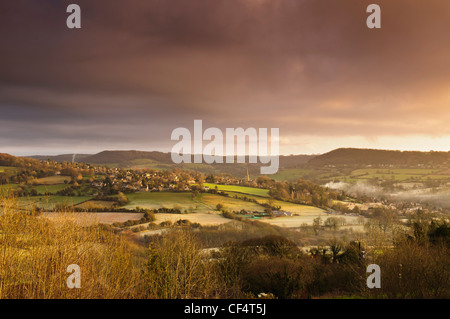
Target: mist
x,y
436,196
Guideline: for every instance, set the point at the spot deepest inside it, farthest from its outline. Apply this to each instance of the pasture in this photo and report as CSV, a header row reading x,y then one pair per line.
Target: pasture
x,y
52,180
239,189
204,219
102,218
186,202
43,189
291,174
286,206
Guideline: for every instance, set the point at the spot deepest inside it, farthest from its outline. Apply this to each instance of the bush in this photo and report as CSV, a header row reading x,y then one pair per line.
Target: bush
x,y
280,276
105,259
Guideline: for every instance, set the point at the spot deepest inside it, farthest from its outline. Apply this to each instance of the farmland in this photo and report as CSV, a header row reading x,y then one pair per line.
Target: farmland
x,y
239,189
186,202
205,219
52,180
103,218
323,175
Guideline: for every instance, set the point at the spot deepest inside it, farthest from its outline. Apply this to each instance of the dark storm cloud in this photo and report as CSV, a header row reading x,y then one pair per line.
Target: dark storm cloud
x,y
138,69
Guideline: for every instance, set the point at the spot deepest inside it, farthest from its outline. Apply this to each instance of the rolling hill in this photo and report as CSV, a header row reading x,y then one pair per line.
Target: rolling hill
x,y
342,157
374,157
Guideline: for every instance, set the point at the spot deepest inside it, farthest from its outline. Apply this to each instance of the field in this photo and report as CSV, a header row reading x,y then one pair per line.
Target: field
x,y
103,218
205,219
286,206
42,189
92,203
324,175
239,189
52,180
291,174
203,203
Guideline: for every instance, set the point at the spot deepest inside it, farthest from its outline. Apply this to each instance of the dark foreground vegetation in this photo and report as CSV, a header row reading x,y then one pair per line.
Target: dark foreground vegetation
x,y
181,263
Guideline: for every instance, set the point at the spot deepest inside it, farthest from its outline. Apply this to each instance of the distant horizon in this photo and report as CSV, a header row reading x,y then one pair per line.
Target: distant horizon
x,y
168,152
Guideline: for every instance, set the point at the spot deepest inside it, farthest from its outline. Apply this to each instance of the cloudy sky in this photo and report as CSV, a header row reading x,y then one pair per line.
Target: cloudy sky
x,y
136,70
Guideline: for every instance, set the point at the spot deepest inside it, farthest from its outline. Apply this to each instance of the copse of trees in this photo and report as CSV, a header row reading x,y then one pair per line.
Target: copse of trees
x,y
303,192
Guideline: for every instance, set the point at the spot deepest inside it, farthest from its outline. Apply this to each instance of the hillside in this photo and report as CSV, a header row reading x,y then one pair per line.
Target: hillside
x,y
21,162
364,157
62,158
342,157
125,157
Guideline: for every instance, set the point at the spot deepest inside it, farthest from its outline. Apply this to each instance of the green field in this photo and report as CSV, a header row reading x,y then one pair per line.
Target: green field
x,y
239,189
399,174
323,175
93,203
184,201
51,180
42,189
291,174
285,206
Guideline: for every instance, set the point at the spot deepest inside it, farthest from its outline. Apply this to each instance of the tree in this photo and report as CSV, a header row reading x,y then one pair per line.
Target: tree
x,y
316,224
122,199
331,222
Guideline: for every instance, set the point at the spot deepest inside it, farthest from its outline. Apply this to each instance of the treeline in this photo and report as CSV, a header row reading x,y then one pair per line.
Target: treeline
x,y
28,170
304,192
149,216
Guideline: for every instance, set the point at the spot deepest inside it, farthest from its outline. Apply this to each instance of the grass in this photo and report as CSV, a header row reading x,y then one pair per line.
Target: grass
x,y
103,218
204,219
239,189
92,203
395,171
291,174
42,189
203,203
231,204
51,180
396,174
400,174
286,206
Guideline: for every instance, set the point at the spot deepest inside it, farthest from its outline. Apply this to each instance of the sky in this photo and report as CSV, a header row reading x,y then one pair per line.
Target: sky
x,y
137,70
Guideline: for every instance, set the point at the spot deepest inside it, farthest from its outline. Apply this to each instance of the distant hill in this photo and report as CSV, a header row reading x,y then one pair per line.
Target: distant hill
x,y
125,157
20,162
62,158
160,160
342,157
128,158
358,157
292,161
